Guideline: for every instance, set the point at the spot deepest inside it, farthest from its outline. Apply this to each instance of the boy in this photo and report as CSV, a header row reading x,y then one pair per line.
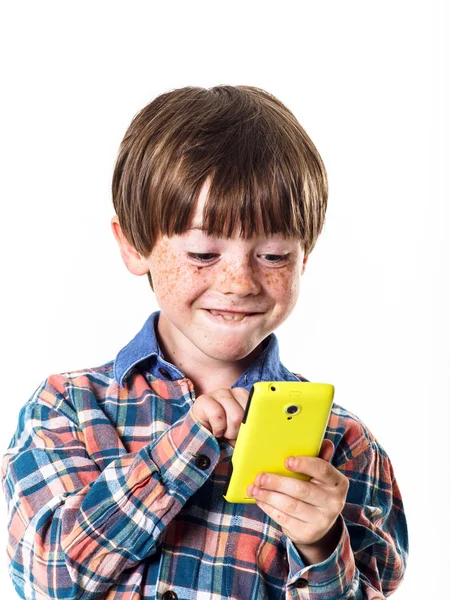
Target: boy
x,y
115,476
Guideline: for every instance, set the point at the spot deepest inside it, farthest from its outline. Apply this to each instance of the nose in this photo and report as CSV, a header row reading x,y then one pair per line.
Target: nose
x,y
239,278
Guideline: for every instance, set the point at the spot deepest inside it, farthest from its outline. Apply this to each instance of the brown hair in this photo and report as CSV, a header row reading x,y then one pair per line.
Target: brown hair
x,y
261,164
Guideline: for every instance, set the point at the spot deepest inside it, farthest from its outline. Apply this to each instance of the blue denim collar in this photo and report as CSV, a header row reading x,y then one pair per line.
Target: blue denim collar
x,y
266,367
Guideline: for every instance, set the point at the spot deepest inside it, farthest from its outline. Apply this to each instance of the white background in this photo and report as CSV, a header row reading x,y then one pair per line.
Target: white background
x,y
368,81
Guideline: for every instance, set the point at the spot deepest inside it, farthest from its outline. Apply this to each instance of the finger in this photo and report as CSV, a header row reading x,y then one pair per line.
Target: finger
x,y
212,415
241,396
295,529
326,450
318,469
277,515
287,506
233,412
304,491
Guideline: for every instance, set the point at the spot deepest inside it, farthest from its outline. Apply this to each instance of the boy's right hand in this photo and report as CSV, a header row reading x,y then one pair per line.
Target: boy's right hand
x,y
221,412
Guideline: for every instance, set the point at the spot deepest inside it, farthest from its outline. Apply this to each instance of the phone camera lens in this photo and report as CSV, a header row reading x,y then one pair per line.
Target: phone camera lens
x,y
292,409
273,388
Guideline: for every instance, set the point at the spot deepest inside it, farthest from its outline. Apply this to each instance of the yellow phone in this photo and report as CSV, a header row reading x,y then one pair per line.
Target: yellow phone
x,y
281,419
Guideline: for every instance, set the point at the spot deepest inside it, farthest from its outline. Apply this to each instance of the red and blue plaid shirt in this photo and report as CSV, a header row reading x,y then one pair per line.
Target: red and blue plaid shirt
x,y
107,499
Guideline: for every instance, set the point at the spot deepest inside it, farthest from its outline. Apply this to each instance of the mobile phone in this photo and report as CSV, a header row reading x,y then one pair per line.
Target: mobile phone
x,y
281,419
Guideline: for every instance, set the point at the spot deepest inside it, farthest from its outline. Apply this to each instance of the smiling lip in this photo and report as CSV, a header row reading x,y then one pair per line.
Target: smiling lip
x,y
232,312
230,317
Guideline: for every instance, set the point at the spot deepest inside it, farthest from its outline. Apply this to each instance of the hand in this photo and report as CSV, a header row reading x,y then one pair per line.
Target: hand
x,y
307,511
221,412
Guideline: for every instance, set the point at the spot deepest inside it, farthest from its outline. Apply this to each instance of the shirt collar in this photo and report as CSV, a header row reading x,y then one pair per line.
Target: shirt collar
x,y
266,367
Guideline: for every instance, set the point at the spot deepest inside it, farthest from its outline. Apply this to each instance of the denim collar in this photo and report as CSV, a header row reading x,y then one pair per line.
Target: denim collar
x,y
266,367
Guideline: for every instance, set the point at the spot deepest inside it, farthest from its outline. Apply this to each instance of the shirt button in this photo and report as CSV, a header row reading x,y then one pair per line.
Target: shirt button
x,y
170,595
301,583
164,373
203,462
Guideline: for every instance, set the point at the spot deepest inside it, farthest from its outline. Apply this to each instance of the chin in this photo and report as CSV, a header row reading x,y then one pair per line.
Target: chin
x,y
232,353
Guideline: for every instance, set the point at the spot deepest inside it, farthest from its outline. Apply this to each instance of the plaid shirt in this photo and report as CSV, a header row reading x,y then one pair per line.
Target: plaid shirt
x,y
107,497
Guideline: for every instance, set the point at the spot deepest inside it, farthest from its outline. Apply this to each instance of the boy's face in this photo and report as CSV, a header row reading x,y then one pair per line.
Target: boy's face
x,y
246,277
195,277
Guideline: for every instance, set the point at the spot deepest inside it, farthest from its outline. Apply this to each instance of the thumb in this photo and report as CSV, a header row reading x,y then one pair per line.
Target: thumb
x,y
327,450
241,396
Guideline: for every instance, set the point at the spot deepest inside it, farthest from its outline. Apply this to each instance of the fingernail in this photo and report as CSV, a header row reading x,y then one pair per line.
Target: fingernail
x,y
263,481
250,490
291,462
255,491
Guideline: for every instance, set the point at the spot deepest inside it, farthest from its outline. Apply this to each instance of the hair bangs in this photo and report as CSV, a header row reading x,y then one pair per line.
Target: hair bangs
x,y
255,181
253,204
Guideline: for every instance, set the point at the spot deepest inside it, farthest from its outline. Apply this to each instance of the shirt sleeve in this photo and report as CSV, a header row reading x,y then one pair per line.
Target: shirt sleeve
x,y
73,527
370,559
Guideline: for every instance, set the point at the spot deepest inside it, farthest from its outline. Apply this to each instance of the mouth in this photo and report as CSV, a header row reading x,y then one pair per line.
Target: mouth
x,y
224,315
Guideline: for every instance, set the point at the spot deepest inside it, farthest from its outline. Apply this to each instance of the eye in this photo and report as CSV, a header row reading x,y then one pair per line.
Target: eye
x,y
202,257
208,257
277,258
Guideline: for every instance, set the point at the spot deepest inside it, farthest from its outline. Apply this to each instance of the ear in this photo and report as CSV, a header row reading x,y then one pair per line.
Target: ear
x,y
134,262
305,260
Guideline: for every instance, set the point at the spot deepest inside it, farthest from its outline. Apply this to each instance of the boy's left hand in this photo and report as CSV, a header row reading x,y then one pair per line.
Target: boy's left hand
x,y
307,511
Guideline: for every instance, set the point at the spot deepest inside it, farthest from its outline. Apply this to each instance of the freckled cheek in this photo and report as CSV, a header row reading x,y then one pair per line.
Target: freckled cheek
x,y
176,283
283,284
